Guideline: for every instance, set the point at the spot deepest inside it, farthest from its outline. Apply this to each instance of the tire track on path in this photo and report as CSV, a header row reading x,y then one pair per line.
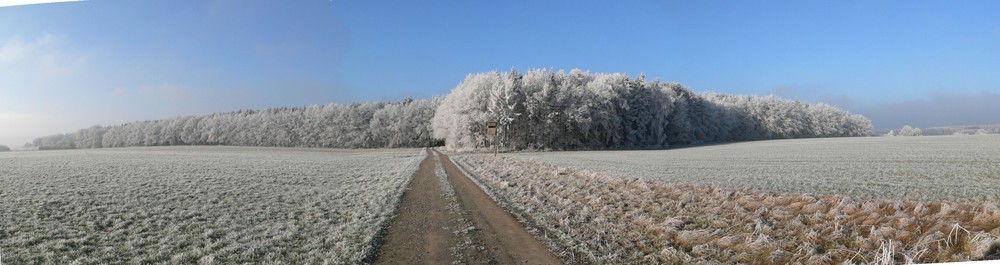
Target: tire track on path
x,y
424,231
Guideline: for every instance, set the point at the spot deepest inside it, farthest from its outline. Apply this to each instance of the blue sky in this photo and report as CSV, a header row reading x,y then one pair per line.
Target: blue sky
x,y
66,66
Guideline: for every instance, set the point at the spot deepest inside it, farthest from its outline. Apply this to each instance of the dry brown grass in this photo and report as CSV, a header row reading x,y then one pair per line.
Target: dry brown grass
x,y
601,219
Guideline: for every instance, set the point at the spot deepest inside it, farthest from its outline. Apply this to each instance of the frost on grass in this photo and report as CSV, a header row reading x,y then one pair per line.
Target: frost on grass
x,y
956,168
603,219
190,205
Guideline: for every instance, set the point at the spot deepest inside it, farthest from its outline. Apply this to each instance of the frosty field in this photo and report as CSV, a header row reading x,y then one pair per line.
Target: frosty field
x,y
958,168
815,201
189,205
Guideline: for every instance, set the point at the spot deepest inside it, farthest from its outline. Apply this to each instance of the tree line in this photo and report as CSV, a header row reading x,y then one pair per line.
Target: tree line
x,y
535,110
358,125
963,130
549,110
907,130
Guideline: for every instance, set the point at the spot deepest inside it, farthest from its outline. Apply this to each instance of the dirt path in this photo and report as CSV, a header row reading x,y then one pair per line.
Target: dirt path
x,y
504,240
426,232
419,233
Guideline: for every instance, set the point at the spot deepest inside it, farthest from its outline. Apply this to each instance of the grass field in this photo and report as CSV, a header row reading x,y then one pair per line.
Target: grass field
x,y
956,168
186,205
811,201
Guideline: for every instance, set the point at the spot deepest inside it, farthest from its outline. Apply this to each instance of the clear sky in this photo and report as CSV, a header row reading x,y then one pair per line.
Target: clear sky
x,y
65,66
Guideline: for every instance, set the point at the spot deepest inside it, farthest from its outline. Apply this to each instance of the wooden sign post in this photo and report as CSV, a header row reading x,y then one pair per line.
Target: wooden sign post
x,y
491,128
491,131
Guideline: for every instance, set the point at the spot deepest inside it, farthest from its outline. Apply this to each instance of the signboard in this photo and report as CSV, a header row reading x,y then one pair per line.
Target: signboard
x,y
491,128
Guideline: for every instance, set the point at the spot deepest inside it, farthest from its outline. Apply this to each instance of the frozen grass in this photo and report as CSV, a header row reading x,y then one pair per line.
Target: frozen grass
x,y
604,219
956,168
198,205
613,218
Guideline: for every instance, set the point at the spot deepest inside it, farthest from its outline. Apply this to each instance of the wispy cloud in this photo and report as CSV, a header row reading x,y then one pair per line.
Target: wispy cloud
x,y
13,49
46,58
6,3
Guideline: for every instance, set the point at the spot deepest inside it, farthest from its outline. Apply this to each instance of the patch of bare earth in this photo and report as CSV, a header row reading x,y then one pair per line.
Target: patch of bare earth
x,y
444,218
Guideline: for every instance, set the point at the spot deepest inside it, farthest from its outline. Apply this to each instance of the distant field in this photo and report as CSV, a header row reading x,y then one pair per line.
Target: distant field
x,y
197,204
959,168
768,202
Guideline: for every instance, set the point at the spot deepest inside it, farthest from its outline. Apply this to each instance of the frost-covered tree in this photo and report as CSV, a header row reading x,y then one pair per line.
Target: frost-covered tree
x,y
539,109
397,125
891,133
359,125
506,105
4,148
461,118
545,109
907,130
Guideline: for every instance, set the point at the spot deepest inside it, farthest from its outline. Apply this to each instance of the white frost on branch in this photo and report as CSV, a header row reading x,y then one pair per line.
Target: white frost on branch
x,y
549,110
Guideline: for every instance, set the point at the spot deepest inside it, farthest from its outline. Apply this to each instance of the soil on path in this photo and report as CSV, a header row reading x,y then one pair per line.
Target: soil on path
x,y
425,232
504,240
419,233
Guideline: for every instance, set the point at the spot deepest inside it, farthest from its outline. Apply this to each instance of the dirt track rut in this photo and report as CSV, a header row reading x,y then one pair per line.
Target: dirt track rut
x,y
426,232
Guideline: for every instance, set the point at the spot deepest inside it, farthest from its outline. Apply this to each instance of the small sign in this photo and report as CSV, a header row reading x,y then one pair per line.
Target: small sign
x,y
491,128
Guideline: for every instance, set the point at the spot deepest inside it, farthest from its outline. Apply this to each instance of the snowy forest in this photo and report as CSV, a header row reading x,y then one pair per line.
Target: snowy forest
x,y
359,125
536,110
549,110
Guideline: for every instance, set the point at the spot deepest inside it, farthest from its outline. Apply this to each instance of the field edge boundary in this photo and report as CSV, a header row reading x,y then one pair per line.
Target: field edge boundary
x,y
371,251
540,233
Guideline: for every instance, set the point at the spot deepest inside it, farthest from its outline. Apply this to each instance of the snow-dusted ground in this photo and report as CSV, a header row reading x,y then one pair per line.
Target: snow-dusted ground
x,y
717,204
960,168
197,204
